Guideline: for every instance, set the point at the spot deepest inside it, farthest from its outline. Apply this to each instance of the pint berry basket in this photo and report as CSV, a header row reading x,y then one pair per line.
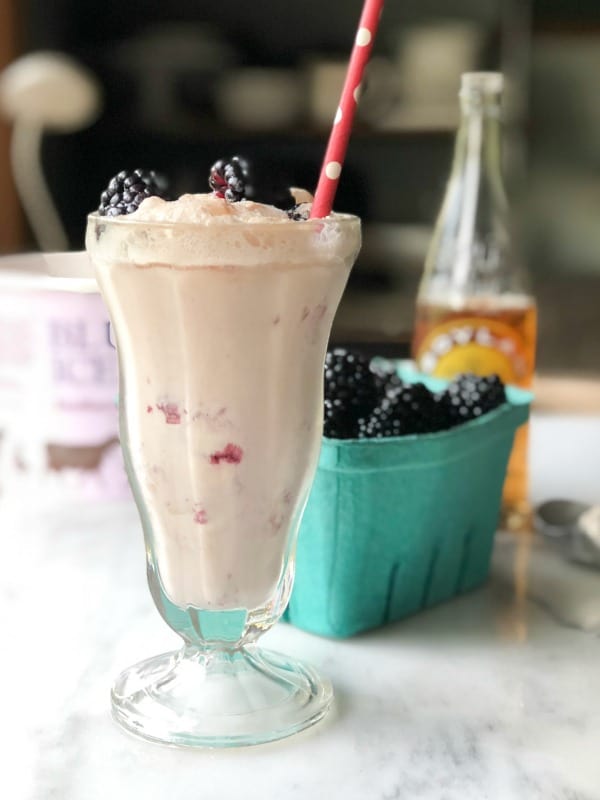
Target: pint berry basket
x,y
396,525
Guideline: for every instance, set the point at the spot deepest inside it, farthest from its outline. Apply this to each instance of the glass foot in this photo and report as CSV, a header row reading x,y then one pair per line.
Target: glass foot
x,y
219,698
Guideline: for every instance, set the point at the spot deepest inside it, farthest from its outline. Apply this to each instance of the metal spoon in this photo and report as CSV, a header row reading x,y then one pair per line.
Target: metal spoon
x,y
573,526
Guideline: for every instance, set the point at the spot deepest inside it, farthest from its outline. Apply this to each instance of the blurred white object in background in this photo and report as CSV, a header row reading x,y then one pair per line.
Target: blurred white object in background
x,y
259,98
380,92
324,80
173,68
430,59
44,91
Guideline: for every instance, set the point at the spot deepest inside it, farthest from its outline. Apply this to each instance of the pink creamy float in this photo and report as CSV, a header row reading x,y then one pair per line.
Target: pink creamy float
x,y
222,313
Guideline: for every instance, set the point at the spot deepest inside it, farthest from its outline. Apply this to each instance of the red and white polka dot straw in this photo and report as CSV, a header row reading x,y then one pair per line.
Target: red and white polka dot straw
x,y
342,125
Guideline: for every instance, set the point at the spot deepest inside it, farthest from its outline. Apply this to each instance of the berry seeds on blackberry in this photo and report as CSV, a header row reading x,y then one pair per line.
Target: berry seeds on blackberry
x,y
237,178
127,190
350,393
405,409
470,396
386,377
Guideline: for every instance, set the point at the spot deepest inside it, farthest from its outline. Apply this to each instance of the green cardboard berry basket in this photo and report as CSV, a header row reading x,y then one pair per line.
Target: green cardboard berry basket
x,y
396,525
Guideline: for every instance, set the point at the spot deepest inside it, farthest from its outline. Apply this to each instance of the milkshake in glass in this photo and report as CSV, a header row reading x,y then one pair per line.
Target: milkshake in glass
x,y
221,313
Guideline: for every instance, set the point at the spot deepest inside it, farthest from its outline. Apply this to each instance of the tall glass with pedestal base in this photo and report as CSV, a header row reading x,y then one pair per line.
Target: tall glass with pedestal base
x,y
221,332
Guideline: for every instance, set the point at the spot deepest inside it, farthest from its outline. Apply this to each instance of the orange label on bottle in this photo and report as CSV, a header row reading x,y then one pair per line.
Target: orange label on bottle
x,y
474,344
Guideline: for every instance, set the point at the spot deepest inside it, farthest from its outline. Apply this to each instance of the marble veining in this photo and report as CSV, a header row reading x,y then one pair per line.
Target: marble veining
x,y
493,696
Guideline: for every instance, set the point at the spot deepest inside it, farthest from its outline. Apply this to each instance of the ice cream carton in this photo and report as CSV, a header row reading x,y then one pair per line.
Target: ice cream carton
x,y
396,525
58,382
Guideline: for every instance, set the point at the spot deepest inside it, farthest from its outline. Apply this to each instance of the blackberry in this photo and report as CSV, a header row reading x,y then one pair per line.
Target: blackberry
x,y
350,393
374,403
237,178
408,408
380,424
228,179
470,396
386,377
442,419
127,190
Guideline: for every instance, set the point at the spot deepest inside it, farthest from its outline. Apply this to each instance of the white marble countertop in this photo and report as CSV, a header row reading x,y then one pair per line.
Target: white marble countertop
x,y
493,696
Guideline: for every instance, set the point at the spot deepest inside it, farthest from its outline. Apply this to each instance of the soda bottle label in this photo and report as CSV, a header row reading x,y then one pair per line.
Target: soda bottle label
x,y
474,344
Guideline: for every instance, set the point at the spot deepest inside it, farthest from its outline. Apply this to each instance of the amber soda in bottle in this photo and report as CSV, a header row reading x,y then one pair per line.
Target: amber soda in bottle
x,y
475,312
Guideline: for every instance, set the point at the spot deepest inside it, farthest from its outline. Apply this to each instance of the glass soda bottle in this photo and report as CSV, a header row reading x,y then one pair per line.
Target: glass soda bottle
x,y
475,312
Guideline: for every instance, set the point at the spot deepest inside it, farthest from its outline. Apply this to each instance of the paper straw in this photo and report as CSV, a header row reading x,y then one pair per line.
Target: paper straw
x,y
342,124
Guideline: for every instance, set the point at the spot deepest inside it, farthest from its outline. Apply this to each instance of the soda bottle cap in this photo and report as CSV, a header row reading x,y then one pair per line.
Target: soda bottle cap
x,y
485,82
